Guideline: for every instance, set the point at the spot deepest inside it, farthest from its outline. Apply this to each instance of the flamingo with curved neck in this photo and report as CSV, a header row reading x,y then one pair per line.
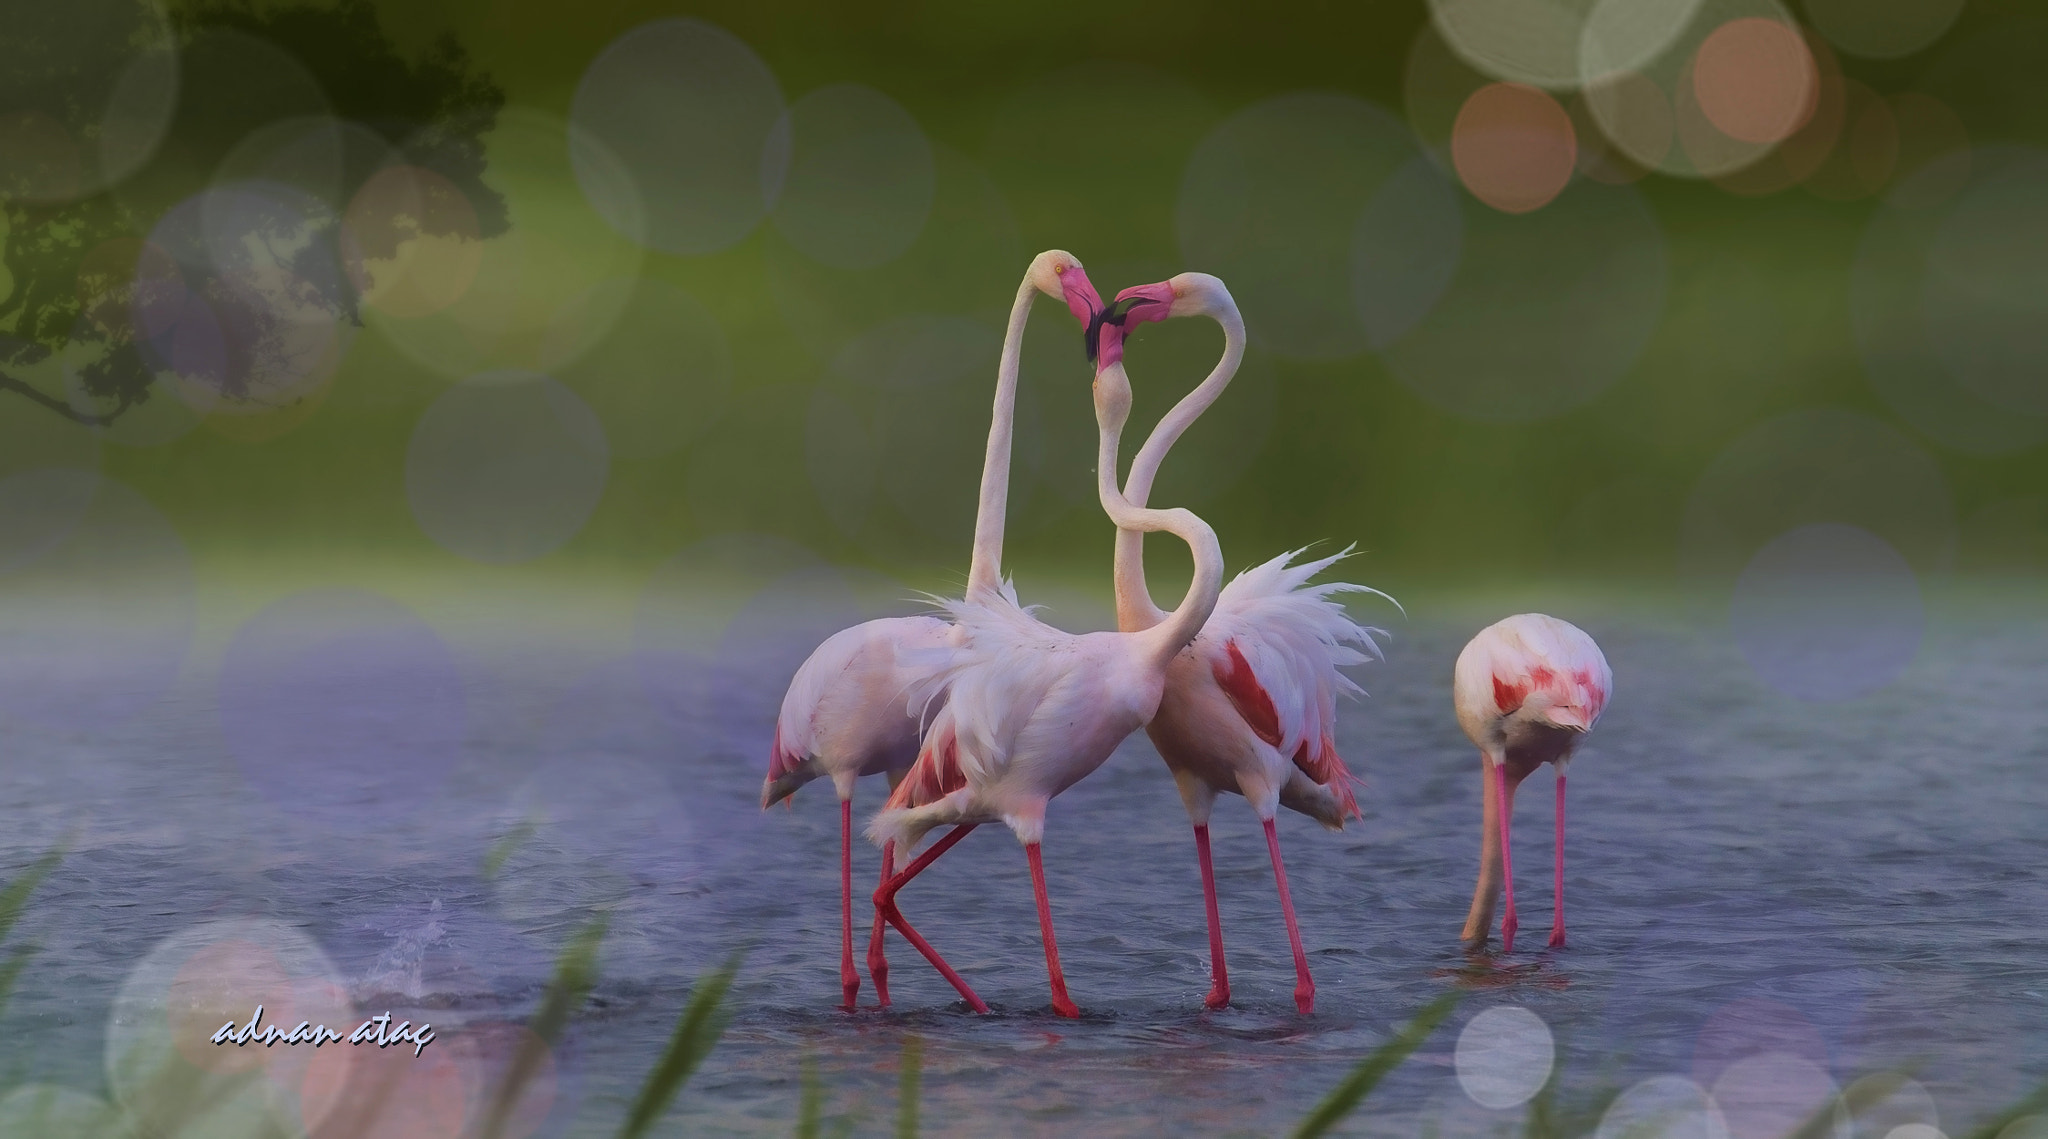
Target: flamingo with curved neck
x,y
1249,704
1031,710
843,715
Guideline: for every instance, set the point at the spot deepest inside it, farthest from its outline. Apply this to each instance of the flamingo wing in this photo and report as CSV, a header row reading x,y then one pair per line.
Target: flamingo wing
x,y
1537,653
1276,647
993,675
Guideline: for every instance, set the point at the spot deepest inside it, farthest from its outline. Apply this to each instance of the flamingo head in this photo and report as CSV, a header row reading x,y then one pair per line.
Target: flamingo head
x,y
1049,273
1189,294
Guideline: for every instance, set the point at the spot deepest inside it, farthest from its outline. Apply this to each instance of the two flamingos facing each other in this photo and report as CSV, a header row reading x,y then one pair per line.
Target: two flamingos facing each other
x,y
1250,705
843,716
1527,689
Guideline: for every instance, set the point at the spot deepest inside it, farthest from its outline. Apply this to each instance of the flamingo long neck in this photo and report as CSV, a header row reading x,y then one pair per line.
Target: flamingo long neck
x,y
985,569
1135,608
1172,633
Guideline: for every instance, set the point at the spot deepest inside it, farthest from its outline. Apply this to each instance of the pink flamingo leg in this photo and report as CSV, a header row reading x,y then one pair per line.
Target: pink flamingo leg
x,y
878,963
1304,986
849,980
1557,922
1508,924
885,902
1061,1004
1219,993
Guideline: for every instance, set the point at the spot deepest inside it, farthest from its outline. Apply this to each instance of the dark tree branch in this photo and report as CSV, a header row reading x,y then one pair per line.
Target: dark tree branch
x,y
9,383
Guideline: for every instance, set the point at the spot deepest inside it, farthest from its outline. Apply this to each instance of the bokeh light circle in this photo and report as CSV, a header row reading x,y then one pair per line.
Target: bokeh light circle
x,y
965,261
1737,65
1504,1056
1405,251
715,655
1544,311
90,90
342,707
1828,612
1773,1093
1814,466
655,366
100,601
1662,1107
1267,201
161,1063
248,316
859,180
1754,79
505,467
495,315
686,108
1880,1107
925,384
1984,301
2026,1127
40,499
318,155
37,1111
1883,29
410,241
1513,147
1915,363
1541,42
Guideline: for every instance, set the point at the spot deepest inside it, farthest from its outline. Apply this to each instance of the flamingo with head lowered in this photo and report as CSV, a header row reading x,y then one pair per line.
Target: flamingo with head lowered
x,y
843,715
1030,710
1527,690
1250,704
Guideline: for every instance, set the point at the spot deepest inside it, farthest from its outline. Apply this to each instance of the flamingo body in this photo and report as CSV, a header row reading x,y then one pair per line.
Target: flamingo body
x,y
1030,711
1526,689
843,716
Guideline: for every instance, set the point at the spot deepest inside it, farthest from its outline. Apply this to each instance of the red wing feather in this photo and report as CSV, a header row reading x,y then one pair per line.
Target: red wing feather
x,y
1327,768
936,774
1247,695
781,761
1507,696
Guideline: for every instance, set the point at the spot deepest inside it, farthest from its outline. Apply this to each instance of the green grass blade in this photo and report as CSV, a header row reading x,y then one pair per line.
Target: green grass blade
x,y
2034,1101
512,840
11,970
812,1105
697,1033
575,972
15,895
906,1087
1346,1097
1865,1093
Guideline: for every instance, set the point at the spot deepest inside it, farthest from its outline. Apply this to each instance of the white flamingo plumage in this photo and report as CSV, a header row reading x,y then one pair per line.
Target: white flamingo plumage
x,y
1527,689
1250,704
843,715
1031,709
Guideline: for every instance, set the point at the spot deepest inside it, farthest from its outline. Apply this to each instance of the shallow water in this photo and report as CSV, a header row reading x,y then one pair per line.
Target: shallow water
x,y
1855,884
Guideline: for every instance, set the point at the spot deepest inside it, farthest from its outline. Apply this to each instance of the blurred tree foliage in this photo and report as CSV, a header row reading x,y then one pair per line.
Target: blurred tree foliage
x,y
72,256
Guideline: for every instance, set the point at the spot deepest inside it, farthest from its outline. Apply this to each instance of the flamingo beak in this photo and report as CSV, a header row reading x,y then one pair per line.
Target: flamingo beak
x,y
1147,302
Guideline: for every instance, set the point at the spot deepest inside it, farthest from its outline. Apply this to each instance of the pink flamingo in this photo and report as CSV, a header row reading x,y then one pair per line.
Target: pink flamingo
x,y
1031,709
843,715
1527,689
1250,704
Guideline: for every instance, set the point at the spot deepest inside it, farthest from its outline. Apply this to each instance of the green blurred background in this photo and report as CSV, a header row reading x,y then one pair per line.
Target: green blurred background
x,y
772,397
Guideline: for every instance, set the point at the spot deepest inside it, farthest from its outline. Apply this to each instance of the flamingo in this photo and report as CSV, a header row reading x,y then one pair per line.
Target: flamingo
x,y
1250,703
1528,688
1030,710
843,715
